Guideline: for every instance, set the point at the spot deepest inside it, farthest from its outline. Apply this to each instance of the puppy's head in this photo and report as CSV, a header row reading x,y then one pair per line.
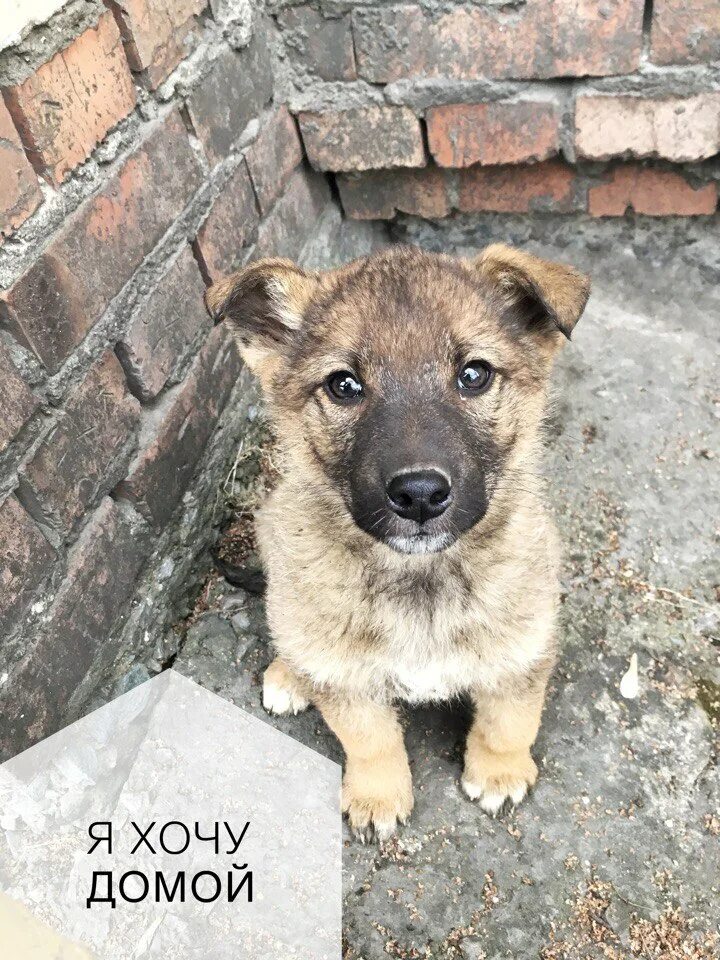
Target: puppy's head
x,y
409,386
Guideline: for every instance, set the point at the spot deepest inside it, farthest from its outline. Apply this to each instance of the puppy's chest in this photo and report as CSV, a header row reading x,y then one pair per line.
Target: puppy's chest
x,y
425,655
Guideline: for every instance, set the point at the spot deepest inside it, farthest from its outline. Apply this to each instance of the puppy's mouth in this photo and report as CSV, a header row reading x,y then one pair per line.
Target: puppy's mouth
x,y
420,542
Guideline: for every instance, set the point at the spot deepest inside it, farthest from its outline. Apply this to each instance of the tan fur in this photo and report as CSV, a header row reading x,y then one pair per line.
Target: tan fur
x,y
358,627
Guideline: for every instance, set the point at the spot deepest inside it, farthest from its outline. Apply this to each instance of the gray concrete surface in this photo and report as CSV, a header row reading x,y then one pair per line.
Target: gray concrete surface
x,y
616,852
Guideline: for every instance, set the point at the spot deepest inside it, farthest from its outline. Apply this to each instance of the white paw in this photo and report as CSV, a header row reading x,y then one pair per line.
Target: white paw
x,y
491,800
281,700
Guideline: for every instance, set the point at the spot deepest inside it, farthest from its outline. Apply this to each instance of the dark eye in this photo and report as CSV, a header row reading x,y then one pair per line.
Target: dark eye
x,y
475,377
343,386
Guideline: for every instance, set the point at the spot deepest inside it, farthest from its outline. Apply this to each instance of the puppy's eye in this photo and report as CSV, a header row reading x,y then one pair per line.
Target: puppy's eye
x,y
475,377
343,387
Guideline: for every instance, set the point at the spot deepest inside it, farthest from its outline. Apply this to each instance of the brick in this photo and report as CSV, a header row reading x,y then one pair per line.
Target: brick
x,y
366,138
493,133
79,632
162,332
230,96
86,453
549,186
292,221
64,109
19,190
273,157
230,228
380,194
677,129
27,559
317,44
177,432
158,33
685,31
17,401
51,307
657,193
536,40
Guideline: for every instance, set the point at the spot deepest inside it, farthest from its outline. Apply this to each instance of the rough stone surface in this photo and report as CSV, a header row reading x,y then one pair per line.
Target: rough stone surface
x,y
93,597
230,96
380,194
364,139
71,102
19,190
534,40
273,157
317,44
165,328
27,559
223,239
158,33
677,129
549,186
282,233
174,435
17,402
621,828
684,32
54,304
86,452
659,193
493,133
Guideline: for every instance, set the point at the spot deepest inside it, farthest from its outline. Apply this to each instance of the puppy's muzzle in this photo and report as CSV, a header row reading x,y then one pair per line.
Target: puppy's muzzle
x,y
419,495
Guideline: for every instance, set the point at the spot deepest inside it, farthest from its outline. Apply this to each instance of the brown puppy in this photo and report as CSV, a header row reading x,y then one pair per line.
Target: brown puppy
x,y
408,552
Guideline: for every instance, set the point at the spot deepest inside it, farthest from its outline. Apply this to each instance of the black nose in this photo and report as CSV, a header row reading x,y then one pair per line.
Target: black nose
x,y
419,494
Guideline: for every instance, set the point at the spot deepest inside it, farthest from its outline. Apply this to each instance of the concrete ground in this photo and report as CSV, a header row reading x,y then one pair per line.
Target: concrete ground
x,y
616,853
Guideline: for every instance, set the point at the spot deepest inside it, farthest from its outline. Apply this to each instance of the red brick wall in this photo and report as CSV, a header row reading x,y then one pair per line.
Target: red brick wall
x,y
142,153
566,107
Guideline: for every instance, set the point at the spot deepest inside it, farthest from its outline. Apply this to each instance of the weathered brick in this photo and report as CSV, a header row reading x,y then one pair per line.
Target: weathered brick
x,y
273,157
291,222
87,452
176,433
685,31
549,186
231,95
78,631
158,33
493,133
223,239
52,306
678,129
317,44
535,40
380,194
64,109
162,332
19,190
17,401
658,193
27,558
365,138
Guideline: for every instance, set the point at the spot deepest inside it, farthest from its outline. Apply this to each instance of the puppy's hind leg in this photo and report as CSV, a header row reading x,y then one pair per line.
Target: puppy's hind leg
x,y
283,690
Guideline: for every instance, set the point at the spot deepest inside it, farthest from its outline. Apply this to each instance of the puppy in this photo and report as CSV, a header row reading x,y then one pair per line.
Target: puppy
x,y
408,551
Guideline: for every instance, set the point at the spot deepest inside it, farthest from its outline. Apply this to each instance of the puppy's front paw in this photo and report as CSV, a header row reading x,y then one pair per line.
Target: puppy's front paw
x,y
496,778
376,797
282,690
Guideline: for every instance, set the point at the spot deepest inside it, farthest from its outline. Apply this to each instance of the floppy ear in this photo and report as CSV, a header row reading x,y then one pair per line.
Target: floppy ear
x,y
265,303
540,294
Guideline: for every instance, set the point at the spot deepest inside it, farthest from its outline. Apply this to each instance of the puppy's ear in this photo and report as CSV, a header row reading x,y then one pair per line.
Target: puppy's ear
x,y
265,304
539,294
